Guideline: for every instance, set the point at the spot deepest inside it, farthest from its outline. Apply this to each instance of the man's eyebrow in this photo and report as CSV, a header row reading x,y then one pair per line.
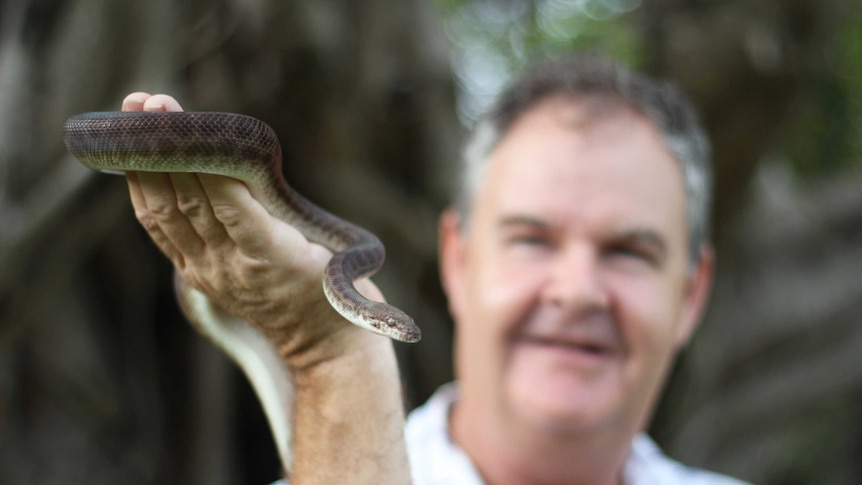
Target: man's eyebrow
x,y
520,220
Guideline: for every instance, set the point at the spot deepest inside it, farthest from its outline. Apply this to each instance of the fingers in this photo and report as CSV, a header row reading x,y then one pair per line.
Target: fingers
x,y
193,202
163,214
172,207
141,101
151,224
154,198
135,101
191,228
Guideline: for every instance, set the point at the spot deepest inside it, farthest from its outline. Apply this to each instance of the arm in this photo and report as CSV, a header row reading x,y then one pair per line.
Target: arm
x,y
349,416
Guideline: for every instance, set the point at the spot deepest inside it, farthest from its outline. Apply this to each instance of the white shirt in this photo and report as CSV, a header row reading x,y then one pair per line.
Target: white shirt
x,y
436,460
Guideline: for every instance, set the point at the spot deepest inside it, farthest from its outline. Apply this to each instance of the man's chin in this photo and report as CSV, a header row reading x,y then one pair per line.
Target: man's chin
x,y
563,387
560,409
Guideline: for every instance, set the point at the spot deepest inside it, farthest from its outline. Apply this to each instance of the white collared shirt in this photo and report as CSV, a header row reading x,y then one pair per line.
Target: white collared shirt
x,y
436,460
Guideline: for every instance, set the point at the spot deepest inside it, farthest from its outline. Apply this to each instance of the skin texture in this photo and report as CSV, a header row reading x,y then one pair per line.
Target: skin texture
x,y
261,270
571,294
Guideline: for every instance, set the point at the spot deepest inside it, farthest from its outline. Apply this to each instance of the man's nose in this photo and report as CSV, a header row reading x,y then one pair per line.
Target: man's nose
x,y
577,284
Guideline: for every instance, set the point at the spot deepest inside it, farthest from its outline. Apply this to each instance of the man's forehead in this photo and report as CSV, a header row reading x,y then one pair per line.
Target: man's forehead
x,y
606,125
578,111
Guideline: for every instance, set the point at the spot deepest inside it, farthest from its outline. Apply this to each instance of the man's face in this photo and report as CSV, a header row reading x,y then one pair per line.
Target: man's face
x,y
570,288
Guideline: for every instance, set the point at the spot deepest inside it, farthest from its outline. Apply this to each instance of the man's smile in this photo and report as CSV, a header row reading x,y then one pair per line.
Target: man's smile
x,y
588,344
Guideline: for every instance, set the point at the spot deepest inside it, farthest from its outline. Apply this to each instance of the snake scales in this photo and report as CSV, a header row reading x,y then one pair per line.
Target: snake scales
x,y
247,149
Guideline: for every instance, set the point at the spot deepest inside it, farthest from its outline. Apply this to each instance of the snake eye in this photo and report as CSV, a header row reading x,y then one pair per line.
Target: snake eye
x,y
390,321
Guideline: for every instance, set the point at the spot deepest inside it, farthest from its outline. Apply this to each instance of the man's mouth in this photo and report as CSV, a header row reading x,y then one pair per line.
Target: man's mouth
x,y
576,345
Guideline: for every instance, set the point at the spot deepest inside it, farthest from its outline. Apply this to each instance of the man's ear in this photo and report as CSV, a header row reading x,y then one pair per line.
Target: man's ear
x,y
452,258
696,295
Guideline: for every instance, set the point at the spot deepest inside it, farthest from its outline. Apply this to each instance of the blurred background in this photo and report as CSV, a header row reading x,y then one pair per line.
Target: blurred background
x,y
102,382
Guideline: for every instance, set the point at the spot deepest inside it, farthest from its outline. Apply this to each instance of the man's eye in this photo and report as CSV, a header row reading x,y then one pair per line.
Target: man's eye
x,y
629,252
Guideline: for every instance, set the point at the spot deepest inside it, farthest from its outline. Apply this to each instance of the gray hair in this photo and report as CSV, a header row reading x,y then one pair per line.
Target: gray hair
x,y
599,77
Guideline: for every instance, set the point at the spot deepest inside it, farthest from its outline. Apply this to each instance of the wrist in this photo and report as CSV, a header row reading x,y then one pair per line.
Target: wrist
x,y
319,335
347,353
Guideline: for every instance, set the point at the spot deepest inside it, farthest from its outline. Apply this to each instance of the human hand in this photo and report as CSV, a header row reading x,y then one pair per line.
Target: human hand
x,y
254,266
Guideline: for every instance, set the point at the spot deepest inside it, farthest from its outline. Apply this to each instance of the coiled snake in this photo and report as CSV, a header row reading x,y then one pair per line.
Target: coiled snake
x,y
247,149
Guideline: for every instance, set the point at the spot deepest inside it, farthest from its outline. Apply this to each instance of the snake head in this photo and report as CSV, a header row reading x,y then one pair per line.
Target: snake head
x,y
391,322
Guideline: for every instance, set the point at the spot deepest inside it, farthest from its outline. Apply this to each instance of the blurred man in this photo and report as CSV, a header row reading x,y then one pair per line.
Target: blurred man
x,y
577,264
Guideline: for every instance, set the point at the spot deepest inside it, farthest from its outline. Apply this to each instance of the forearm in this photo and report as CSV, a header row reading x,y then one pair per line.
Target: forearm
x,y
349,419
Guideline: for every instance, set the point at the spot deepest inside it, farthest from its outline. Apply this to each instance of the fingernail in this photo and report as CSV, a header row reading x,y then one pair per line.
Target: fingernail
x,y
136,98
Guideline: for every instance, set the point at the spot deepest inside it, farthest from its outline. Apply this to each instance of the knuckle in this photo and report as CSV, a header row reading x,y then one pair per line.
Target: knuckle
x,y
162,211
227,215
190,205
146,219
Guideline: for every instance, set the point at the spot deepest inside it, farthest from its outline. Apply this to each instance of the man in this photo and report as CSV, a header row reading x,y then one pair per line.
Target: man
x,y
576,263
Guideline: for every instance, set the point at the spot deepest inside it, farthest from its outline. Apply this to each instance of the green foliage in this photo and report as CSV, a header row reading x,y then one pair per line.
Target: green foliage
x,y
493,39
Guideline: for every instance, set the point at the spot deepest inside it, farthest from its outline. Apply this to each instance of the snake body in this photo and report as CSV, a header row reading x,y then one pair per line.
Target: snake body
x,y
247,149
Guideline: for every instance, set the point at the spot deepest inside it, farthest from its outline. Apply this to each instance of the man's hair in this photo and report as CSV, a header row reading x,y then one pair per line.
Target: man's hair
x,y
601,79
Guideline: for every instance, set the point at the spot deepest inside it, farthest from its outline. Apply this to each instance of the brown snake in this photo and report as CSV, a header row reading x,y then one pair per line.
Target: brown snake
x,y
247,149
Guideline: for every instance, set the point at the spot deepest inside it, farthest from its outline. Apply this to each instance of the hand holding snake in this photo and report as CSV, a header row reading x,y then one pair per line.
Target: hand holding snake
x,y
261,270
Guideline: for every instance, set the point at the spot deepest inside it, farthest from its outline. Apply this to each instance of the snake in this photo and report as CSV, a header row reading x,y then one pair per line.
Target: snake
x,y
246,149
